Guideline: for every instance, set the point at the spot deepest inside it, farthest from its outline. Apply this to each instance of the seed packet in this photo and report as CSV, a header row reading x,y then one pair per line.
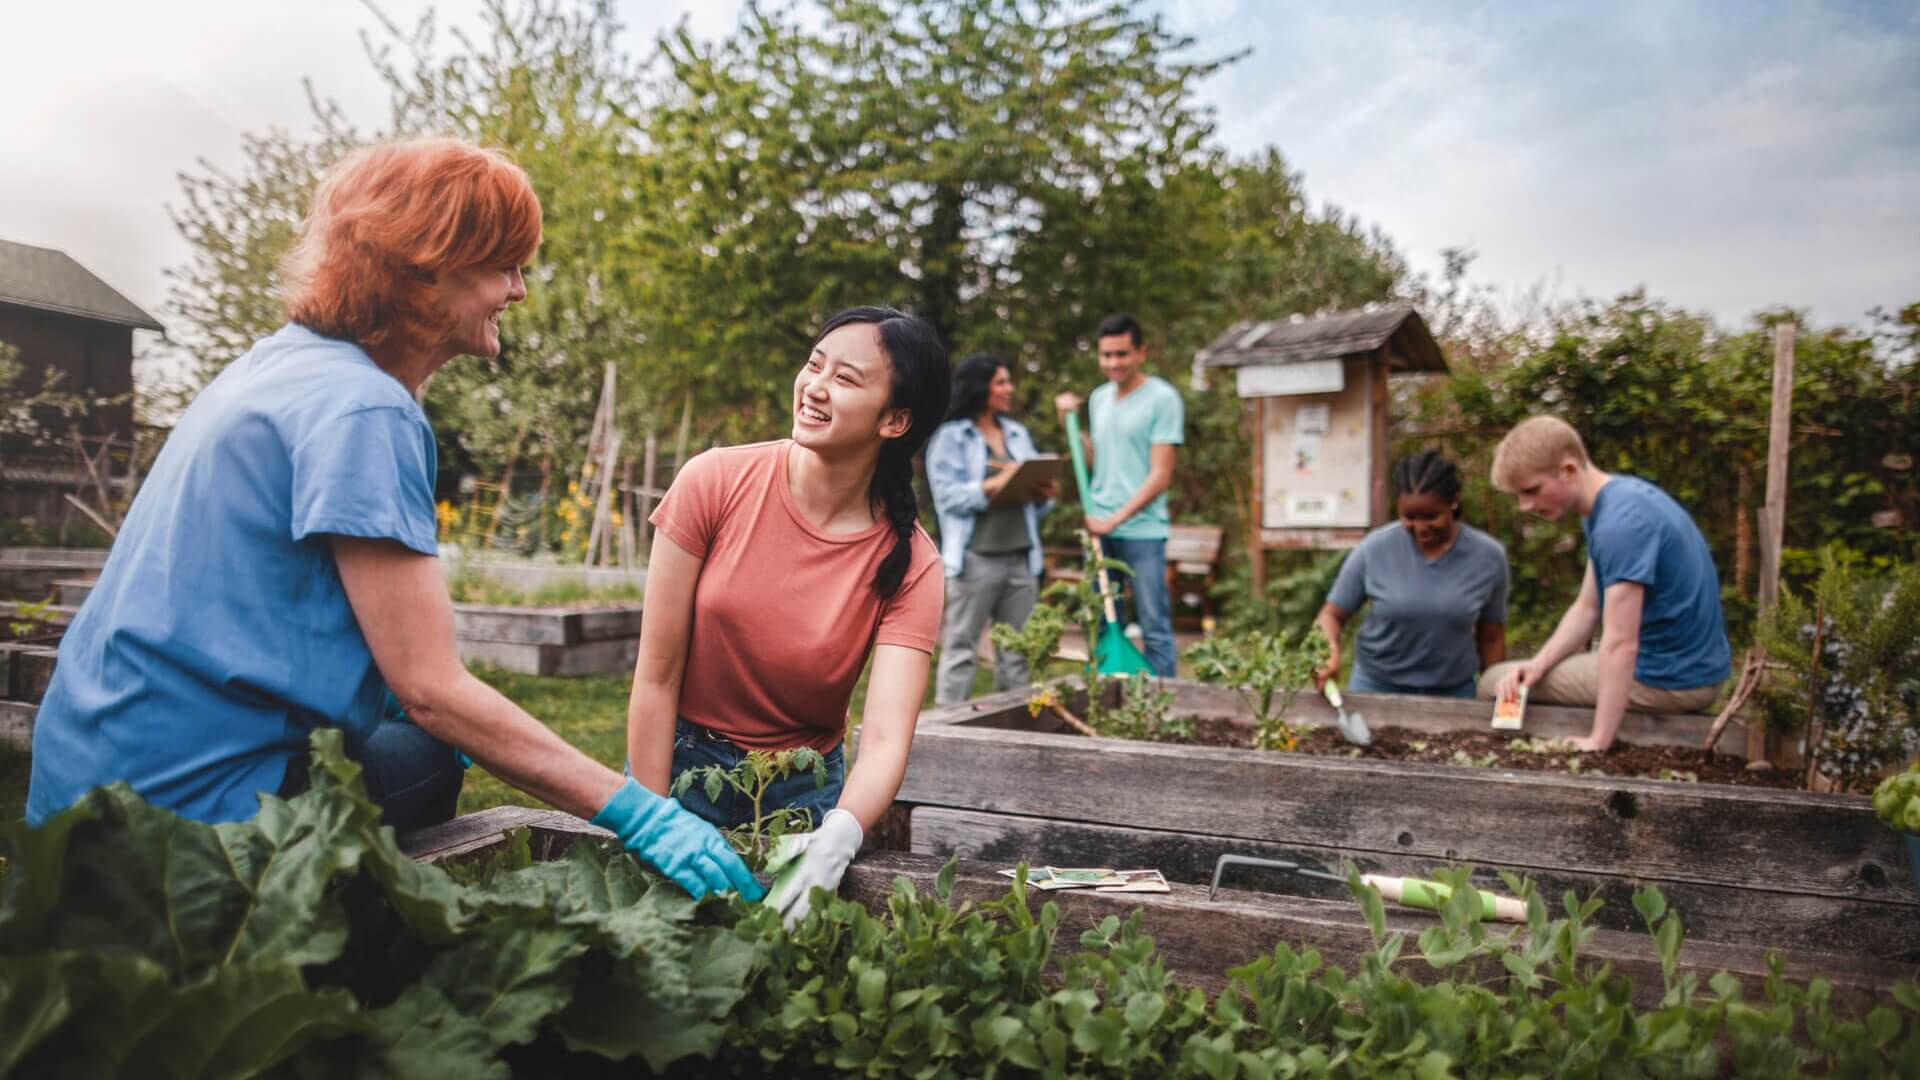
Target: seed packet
x,y
1509,713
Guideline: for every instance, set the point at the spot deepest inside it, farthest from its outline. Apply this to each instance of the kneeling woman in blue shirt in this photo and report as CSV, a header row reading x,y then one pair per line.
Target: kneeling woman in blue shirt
x,y
277,571
1438,587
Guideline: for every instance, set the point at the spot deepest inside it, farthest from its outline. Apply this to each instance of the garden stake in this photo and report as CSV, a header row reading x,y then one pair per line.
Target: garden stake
x,y
1412,892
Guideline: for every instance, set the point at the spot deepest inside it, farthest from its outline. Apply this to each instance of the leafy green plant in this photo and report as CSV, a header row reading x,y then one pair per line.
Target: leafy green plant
x,y
304,944
1143,713
1069,603
29,618
1036,641
1897,800
1851,658
751,779
1266,669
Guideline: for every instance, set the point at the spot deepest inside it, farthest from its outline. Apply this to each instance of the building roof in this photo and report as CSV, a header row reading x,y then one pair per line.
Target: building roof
x,y
50,280
1410,346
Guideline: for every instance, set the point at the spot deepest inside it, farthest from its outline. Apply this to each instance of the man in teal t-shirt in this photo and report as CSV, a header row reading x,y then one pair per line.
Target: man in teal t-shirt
x,y
1136,420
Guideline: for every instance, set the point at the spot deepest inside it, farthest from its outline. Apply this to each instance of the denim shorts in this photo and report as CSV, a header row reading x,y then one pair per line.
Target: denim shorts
x,y
695,747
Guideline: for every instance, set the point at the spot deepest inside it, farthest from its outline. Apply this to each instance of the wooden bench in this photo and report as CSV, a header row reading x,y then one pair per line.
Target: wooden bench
x,y
1193,551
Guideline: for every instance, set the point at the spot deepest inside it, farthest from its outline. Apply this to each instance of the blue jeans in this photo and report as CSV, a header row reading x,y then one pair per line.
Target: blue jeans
x,y
1152,604
695,747
1360,682
412,776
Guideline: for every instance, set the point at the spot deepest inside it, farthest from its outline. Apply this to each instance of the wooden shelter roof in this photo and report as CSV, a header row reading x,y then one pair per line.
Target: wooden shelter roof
x,y
50,280
1410,345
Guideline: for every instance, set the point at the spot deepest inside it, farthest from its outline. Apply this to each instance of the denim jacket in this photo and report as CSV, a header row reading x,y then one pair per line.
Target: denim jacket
x,y
956,469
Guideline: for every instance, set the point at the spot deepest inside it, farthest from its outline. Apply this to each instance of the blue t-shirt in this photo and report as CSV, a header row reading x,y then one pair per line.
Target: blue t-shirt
x,y
1638,533
1423,628
1125,431
219,633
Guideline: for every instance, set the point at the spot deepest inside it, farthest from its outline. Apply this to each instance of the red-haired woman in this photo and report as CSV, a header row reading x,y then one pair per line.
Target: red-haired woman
x,y
277,570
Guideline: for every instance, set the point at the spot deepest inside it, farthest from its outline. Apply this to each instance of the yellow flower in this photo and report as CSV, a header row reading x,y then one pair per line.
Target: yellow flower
x,y
615,517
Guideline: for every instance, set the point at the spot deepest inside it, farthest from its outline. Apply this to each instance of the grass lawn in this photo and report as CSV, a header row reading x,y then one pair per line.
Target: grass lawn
x,y
588,711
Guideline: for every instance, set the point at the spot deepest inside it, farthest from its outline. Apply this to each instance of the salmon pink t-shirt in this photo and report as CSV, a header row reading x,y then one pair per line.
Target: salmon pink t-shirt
x,y
784,615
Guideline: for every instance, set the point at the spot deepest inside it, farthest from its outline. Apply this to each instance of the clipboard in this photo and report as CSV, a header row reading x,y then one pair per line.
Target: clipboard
x,y
1027,475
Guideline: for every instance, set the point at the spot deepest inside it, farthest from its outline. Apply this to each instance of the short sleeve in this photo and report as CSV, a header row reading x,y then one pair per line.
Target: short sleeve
x,y
689,513
1169,420
1349,590
368,473
1622,549
911,618
1495,609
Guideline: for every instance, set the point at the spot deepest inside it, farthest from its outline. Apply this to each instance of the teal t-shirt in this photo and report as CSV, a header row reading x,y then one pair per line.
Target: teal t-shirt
x,y
219,634
1125,431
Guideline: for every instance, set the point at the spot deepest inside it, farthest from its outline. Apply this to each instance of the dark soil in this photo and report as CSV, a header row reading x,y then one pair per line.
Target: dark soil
x,y
1509,750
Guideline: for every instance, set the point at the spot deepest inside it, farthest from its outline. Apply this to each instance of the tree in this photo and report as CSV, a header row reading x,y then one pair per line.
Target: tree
x,y
1007,169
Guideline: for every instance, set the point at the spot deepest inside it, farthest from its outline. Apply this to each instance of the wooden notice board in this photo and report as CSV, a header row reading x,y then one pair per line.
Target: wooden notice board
x,y
1317,455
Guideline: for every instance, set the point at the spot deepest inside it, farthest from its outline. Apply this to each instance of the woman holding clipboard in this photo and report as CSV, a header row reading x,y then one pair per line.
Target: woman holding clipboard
x,y
989,507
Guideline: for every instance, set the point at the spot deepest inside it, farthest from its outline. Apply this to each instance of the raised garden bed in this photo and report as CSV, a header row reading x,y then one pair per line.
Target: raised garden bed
x,y
549,641
30,573
1743,866
1200,939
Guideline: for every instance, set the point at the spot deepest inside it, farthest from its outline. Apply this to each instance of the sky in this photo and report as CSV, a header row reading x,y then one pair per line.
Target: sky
x,y
1727,156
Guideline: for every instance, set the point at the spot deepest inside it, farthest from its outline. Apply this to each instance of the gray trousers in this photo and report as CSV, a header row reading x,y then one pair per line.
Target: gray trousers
x,y
997,588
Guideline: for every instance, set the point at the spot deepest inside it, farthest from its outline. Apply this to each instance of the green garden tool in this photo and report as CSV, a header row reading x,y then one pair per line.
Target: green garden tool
x,y
1413,892
1114,653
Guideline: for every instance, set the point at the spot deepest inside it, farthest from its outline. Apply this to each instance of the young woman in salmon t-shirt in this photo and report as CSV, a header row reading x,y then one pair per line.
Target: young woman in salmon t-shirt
x,y
777,569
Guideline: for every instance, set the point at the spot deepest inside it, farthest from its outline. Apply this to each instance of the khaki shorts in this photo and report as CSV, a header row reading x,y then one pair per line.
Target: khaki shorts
x,y
1576,681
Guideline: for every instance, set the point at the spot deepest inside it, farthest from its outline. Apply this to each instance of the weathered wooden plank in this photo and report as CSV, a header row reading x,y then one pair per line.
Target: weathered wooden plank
x,y
520,626
544,626
16,726
610,657
474,833
28,670
70,558
72,592
1381,710
1200,939
1740,916
1828,845
600,624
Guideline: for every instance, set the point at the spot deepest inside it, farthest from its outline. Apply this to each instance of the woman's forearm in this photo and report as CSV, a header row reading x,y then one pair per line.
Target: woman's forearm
x,y
878,768
651,712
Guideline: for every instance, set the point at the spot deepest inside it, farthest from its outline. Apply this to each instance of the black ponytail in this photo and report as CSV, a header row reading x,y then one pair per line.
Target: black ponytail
x,y
1427,473
922,383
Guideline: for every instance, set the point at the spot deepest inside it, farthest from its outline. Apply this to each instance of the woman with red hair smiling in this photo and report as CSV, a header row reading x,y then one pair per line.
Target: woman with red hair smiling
x,y
278,572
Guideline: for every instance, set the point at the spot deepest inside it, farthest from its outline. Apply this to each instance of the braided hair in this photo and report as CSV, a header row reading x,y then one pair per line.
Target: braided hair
x,y
921,384
1427,473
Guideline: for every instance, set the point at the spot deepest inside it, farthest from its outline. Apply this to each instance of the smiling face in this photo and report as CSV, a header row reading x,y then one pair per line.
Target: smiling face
x,y
473,300
1121,359
1000,392
1428,518
840,395
1549,494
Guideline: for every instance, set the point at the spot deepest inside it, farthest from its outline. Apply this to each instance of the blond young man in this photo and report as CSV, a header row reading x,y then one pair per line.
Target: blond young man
x,y
1650,588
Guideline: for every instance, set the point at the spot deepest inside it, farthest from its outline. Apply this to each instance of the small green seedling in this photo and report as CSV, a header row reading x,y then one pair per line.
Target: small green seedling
x,y
1266,670
758,839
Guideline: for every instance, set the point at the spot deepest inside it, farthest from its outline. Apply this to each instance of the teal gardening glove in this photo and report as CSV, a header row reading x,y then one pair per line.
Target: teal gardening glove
x,y
824,854
671,838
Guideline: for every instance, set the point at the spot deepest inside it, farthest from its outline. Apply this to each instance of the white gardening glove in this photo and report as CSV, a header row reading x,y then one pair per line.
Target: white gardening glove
x,y
824,855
